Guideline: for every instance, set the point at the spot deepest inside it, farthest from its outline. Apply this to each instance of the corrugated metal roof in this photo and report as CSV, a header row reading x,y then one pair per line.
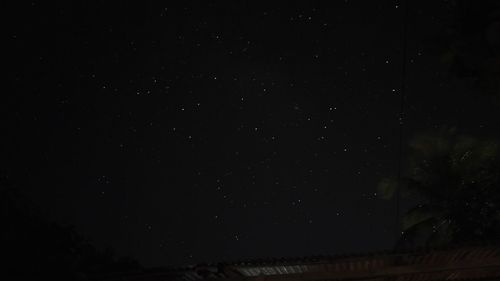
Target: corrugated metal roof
x,y
471,263
250,271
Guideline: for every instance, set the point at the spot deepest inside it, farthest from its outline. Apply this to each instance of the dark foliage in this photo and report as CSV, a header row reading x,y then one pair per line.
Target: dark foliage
x,y
35,247
458,181
472,44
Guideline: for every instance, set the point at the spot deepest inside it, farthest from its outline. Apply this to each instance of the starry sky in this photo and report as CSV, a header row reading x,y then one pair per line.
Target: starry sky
x,y
182,132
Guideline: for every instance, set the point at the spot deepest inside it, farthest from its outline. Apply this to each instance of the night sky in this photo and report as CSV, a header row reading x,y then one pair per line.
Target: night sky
x,y
201,131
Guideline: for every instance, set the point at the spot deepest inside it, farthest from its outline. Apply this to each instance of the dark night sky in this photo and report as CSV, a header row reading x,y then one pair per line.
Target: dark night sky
x,y
184,132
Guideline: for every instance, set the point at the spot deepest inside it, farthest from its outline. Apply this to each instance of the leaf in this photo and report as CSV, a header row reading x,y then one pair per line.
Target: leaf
x,y
419,232
387,187
419,214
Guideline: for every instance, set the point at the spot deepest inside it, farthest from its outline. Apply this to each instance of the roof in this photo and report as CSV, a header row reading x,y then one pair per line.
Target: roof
x,y
458,263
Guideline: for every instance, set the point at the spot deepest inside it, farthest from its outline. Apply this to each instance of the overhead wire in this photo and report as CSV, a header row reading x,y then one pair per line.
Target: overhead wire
x,y
404,43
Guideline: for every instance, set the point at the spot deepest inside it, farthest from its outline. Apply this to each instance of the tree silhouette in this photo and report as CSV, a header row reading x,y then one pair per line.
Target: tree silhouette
x,y
471,46
36,247
455,178
457,182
